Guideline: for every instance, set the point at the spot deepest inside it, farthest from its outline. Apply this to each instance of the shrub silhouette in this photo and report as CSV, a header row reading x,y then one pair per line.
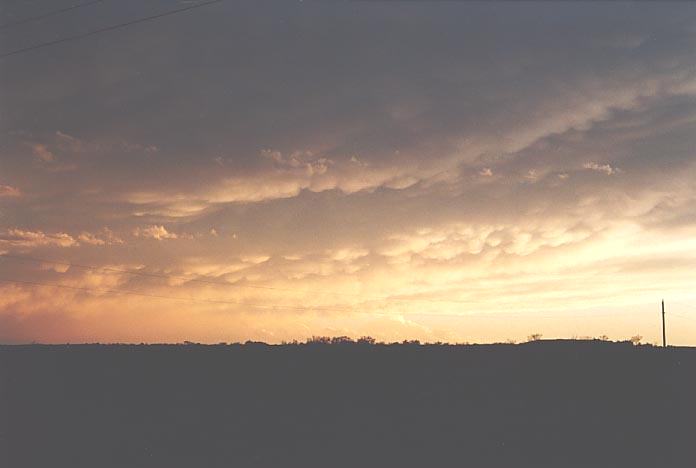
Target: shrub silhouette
x,y
341,340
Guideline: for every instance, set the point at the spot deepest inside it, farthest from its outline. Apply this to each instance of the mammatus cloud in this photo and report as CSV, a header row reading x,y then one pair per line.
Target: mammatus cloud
x,y
282,175
279,176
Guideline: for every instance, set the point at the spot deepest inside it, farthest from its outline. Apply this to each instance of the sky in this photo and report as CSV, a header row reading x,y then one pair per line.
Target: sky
x,y
441,171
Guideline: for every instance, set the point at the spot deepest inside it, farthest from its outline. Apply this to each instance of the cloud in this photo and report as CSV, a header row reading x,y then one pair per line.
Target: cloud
x,y
446,243
42,153
281,177
47,157
89,238
9,191
105,237
605,168
154,232
566,113
69,142
28,239
298,171
347,254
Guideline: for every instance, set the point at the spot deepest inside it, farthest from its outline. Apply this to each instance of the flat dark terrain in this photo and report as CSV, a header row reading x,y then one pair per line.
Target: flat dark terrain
x,y
542,404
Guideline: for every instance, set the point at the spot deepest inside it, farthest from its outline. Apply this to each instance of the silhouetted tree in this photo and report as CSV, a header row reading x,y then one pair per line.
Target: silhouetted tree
x,y
319,340
636,339
341,340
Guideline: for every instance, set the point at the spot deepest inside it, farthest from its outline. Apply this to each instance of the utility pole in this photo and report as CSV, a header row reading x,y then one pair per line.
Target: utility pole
x,y
664,335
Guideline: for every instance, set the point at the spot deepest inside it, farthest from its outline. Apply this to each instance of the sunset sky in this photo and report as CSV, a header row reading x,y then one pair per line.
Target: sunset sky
x,y
442,171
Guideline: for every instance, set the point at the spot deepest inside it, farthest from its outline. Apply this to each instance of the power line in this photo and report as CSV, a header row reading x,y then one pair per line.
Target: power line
x,y
49,14
106,29
226,283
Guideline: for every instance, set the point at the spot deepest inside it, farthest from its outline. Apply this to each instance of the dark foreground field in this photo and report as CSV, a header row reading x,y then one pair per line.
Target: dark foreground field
x,y
543,404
